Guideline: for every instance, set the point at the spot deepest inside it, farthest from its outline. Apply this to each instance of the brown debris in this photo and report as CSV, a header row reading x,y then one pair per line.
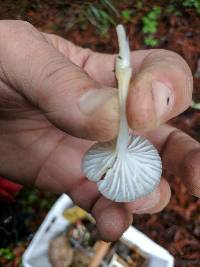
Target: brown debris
x,y
60,252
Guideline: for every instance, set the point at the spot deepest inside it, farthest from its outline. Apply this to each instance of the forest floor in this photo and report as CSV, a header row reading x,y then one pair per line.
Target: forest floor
x,y
171,25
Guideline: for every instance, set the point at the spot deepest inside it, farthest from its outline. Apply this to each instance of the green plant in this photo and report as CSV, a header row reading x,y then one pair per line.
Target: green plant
x,y
100,18
150,41
101,14
150,20
192,4
7,254
108,5
150,25
172,9
127,14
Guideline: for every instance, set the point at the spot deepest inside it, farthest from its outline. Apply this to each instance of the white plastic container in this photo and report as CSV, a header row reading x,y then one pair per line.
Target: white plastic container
x,y
36,254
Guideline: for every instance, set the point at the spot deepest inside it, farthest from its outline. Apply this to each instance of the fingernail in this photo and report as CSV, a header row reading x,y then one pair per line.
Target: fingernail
x,y
94,99
162,97
150,202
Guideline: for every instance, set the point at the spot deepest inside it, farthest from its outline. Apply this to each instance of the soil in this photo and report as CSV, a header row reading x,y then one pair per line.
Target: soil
x,y
177,228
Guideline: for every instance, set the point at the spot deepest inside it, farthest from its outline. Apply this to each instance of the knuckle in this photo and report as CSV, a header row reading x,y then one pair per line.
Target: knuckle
x,y
52,68
52,73
58,76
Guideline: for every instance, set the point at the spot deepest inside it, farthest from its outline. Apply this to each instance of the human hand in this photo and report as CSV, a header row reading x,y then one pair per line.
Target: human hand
x,y
55,95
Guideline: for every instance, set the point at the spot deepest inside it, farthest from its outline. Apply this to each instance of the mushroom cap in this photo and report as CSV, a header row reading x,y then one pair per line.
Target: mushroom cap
x,y
124,178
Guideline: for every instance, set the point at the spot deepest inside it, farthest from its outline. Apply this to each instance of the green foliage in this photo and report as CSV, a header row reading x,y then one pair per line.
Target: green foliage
x,y
150,25
101,14
100,18
7,254
175,6
150,20
126,14
31,199
108,4
172,9
150,41
192,4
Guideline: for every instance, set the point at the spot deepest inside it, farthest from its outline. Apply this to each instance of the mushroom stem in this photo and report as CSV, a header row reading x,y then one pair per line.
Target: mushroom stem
x,y
130,166
123,75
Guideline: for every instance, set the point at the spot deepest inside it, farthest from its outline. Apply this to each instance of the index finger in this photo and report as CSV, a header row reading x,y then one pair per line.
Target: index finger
x,y
180,155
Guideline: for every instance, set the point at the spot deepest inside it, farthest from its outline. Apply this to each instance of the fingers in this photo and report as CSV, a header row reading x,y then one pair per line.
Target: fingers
x,y
112,219
161,86
85,194
67,96
180,155
98,65
165,194
160,90
154,202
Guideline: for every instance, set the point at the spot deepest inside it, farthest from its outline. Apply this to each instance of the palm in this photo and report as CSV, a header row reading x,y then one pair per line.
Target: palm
x,y
36,145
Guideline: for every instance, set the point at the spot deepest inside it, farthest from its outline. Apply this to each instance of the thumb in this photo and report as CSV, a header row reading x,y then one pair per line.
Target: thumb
x,y
160,90
66,94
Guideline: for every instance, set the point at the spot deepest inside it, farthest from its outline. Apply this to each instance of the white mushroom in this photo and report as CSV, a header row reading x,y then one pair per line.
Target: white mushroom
x,y
129,167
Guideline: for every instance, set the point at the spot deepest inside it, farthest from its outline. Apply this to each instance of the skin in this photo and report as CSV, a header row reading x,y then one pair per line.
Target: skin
x,y
45,127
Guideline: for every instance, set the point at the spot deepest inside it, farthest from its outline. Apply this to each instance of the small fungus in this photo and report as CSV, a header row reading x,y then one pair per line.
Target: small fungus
x,y
129,167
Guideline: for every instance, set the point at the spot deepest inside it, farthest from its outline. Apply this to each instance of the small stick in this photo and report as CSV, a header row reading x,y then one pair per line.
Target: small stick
x,y
101,250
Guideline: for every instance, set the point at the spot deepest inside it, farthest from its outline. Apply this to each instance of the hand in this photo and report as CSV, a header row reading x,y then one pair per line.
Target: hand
x,y
55,95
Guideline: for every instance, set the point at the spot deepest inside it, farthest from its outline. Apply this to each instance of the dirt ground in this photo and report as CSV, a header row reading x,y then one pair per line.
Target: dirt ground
x,y
177,228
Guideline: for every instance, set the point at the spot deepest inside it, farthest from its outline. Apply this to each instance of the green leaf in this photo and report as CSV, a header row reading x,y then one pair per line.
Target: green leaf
x,y
150,41
150,20
127,14
192,4
150,27
111,6
7,254
95,11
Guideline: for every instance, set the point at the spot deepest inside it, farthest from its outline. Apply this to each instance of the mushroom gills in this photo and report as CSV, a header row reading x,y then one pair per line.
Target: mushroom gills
x,y
124,179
